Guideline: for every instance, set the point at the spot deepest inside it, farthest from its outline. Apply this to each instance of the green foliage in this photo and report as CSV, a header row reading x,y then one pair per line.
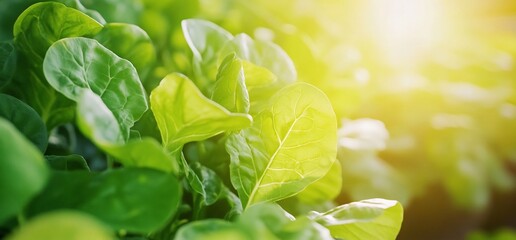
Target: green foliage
x,y
229,132
367,219
119,197
23,171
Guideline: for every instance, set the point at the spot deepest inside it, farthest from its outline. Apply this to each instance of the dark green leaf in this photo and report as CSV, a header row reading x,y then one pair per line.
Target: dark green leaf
x,y
38,27
26,120
133,199
74,65
67,163
7,63
23,171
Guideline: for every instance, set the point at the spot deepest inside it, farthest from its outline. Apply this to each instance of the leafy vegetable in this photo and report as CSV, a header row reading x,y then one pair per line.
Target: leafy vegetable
x,y
38,27
67,163
184,115
74,64
119,197
7,63
26,120
131,43
289,146
23,172
367,219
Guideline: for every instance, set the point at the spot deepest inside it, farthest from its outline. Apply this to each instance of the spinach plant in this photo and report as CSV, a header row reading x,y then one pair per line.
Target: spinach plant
x,y
238,139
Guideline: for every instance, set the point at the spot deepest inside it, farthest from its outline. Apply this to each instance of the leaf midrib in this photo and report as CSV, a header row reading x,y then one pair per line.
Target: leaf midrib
x,y
280,146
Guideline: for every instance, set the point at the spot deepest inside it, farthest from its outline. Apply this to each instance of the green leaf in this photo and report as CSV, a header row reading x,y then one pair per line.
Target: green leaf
x,y
73,65
35,30
42,24
184,115
133,199
26,120
290,145
67,163
367,219
256,76
211,229
325,189
205,39
270,221
7,63
99,125
72,225
78,5
23,172
230,90
129,42
262,53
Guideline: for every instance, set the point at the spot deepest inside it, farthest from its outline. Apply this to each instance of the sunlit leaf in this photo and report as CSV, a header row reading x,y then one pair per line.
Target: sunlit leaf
x,y
290,145
184,115
367,219
205,39
230,90
264,54
325,189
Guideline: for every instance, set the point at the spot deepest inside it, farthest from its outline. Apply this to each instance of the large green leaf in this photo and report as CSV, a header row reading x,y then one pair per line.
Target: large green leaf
x,y
290,145
325,189
38,27
64,224
7,63
367,219
73,65
230,90
23,171
134,199
205,39
129,42
262,53
184,115
26,120
99,124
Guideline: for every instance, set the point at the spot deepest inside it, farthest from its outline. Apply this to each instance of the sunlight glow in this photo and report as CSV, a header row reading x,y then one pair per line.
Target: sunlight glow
x,y
405,30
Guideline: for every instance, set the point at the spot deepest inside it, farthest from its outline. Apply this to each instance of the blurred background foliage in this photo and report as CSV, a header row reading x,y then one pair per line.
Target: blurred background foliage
x,y
425,90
